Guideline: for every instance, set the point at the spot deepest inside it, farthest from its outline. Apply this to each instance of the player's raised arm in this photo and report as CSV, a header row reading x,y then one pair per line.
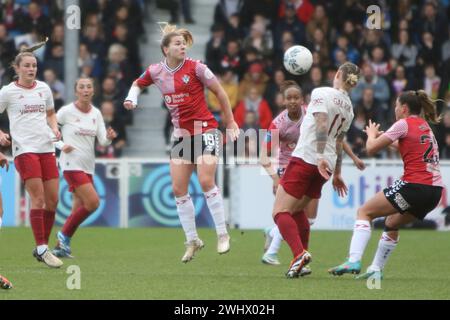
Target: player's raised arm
x,y
338,183
131,100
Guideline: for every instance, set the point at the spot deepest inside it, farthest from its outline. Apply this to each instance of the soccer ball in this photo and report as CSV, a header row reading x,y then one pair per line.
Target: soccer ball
x,y
297,60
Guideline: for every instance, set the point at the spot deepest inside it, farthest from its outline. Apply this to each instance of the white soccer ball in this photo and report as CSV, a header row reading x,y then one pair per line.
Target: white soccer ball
x,y
297,60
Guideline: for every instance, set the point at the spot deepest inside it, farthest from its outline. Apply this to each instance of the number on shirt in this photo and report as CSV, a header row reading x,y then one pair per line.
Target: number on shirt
x,y
333,124
209,139
429,156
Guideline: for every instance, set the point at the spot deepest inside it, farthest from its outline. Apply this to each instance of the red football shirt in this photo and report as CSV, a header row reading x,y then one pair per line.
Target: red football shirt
x,y
183,90
419,150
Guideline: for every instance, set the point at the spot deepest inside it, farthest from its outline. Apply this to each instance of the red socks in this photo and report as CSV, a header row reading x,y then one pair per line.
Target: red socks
x,y
49,221
74,220
289,230
303,227
37,225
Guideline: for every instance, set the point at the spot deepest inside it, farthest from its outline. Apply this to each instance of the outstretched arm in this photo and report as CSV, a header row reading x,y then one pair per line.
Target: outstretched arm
x,y
130,102
357,161
232,127
375,140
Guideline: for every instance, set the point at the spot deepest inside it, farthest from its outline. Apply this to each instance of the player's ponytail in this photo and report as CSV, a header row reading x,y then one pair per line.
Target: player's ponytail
x,y
419,103
285,85
27,52
168,31
428,106
350,74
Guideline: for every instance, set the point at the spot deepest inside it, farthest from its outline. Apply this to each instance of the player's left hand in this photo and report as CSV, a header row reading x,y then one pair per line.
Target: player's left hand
x,y
372,129
111,134
233,130
57,134
339,185
359,163
4,162
324,169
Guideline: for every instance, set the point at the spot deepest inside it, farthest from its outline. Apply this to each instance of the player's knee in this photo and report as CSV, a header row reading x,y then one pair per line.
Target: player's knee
x,y
179,191
207,184
37,201
51,203
92,204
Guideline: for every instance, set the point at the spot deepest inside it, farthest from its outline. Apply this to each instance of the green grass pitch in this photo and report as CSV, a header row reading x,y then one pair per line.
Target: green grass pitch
x,y
145,264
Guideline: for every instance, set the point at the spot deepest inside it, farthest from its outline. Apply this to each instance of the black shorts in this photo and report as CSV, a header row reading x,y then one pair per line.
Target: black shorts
x,y
190,148
414,198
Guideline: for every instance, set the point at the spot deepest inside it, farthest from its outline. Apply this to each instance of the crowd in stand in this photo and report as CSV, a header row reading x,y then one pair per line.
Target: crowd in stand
x,y
410,51
108,52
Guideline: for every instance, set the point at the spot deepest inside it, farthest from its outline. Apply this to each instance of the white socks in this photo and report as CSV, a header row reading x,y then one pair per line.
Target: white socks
x,y
215,204
361,236
1,221
41,249
277,238
385,247
186,212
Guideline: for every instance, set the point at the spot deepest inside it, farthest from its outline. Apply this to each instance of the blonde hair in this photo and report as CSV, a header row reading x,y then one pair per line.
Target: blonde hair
x,y
27,52
168,31
350,74
419,103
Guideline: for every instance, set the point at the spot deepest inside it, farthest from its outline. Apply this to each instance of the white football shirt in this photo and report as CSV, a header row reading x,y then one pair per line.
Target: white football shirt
x,y
337,104
79,130
27,112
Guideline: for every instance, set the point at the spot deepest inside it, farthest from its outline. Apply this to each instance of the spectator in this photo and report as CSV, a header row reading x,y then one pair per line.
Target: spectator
x,y
400,83
232,58
111,92
57,37
404,50
315,80
428,53
114,150
7,47
273,88
431,82
255,78
57,86
304,9
259,40
253,102
228,80
34,19
215,48
56,60
289,23
233,29
445,151
351,53
372,109
370,79
352,34
320,45
319,20
225,9
379,62
433,23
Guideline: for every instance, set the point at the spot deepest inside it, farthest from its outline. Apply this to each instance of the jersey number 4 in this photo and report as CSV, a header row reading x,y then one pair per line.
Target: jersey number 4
x,y
333,124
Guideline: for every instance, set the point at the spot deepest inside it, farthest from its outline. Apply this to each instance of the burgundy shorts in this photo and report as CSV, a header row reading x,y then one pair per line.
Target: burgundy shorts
x,y
37,165
302,179
77,178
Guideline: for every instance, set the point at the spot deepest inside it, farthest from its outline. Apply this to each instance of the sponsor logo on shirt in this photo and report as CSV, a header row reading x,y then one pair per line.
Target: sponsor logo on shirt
x,y
86,133
175,99
32,108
